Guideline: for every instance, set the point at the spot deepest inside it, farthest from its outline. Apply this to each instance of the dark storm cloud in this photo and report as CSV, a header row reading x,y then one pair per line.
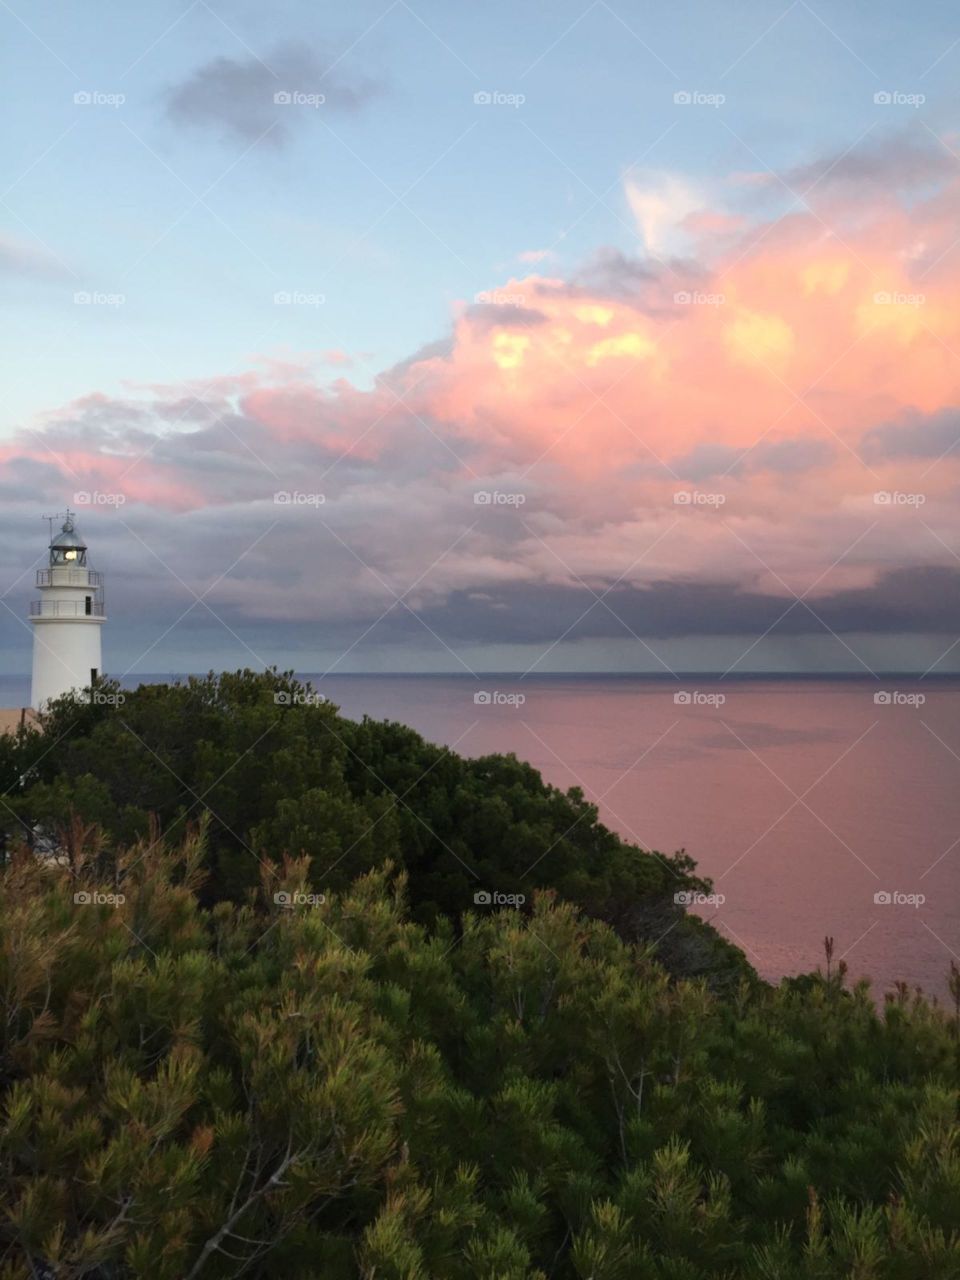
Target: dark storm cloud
x,y
904,600
252,98
919,436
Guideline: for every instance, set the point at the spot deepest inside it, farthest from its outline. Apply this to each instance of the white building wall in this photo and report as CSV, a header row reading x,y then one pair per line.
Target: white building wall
x,y
64,653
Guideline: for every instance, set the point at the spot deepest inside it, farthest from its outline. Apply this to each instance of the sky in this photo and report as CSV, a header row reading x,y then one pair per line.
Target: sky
x,y
467,338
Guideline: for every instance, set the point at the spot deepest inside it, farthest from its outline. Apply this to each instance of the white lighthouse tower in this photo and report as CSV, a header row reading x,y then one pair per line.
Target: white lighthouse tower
x,y
66,619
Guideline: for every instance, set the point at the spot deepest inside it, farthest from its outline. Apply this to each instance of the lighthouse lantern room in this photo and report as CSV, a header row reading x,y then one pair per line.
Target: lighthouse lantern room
x,y
66,619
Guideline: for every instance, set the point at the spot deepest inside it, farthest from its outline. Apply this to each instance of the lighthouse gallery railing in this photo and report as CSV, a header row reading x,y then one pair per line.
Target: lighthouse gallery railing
x,y
64,577
66,609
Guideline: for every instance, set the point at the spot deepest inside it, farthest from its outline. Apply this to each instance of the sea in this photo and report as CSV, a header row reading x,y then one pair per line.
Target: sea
x,y
817,807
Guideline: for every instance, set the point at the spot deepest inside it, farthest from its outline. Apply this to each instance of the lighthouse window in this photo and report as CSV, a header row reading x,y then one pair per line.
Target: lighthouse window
x,y
70,555
88,605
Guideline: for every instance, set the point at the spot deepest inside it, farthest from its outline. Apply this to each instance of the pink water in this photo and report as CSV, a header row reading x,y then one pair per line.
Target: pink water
x,y
800,799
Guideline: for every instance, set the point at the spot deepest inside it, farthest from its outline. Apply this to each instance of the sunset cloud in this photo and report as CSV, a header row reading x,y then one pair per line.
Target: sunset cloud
x,y
702,437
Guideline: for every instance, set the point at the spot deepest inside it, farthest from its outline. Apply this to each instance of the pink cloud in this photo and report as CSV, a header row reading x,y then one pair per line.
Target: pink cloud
x,y
756,374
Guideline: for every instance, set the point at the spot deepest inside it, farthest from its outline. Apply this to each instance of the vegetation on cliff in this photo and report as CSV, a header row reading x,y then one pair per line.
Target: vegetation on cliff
x,y
244,1037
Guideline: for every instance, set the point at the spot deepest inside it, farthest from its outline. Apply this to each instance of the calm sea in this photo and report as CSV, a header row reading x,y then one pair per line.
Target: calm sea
x,y
802,800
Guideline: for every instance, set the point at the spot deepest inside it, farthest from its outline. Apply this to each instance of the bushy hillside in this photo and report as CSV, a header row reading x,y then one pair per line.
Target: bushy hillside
x,y
254,1024
329,1091
279,771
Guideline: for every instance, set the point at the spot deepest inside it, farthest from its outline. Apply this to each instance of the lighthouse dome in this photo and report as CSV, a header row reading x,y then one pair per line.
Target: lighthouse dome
x,y
69,537
67,546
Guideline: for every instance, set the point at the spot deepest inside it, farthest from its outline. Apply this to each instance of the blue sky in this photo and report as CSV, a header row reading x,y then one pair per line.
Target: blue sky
x,y
96,202
150,170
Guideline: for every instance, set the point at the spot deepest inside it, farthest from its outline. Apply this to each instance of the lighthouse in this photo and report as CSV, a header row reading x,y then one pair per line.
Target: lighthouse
x,y
66,619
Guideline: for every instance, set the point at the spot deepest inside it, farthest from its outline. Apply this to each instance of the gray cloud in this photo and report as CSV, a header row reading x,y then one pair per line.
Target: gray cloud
x,y
924,599
909,159
638,282
492,315
20,259
440,349
783,457
236,97
918,436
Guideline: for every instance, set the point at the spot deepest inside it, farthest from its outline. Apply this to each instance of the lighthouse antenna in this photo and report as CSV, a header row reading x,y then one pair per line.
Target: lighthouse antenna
x,y
50,520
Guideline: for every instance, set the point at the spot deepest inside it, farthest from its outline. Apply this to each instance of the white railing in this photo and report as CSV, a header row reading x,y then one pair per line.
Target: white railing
x,y
66,609
65,577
